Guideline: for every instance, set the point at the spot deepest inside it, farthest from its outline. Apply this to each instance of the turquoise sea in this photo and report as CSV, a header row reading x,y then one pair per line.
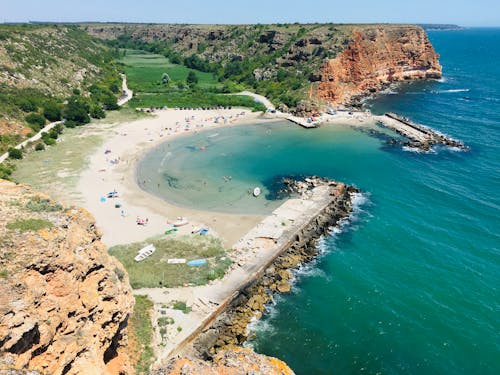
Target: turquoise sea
x,y
410,285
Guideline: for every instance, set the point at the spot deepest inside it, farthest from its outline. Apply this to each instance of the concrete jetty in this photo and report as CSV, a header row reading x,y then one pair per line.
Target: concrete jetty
x,y
297,219
420,137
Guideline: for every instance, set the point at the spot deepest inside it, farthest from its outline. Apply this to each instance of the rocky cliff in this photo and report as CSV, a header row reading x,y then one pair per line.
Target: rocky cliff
x,y
375,57
64,302
325,63
234,361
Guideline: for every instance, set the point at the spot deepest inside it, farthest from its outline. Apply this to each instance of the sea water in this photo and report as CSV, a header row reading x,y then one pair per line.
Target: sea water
x,y
410,285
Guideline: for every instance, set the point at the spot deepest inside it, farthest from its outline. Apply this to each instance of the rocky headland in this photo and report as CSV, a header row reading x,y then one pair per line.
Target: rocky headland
x,y
321,64
64,302
374,58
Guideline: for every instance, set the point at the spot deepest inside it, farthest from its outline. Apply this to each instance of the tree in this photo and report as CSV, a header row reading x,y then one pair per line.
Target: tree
x,y
165,78
35,120
97,112
191,78
77,111
52,112
15,153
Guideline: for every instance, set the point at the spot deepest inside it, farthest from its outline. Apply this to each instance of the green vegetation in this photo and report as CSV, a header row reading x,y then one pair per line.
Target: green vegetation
x,y
39,204
25,225
145,72
182,306
49,57
6,171
154,271
15,153
157,82
279,61
4,273
142,333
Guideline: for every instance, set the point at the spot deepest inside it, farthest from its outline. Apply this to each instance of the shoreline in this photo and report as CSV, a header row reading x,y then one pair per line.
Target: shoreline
x,y
128,144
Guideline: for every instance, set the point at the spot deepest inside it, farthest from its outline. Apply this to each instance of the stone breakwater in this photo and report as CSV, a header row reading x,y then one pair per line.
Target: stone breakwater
x,y
420,137
230,327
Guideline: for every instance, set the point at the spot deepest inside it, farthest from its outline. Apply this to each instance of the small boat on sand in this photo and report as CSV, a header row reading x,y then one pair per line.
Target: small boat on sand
x,y
256,191
180,222
144,253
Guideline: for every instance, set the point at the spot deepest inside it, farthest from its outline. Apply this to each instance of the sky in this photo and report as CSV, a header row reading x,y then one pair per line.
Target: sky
x,y
461,12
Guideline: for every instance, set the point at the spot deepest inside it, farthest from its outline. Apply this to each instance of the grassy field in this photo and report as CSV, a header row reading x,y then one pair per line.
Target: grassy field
x,y
194,100
145,70
144,75
141,334
156,272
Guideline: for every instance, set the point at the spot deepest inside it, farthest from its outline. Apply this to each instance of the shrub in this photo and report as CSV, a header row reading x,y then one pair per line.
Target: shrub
x,y
52,112
5,172
39,146
191,78
35,120
53,134
179,305
39,204
27,105
49,141
97,112
25,225
77,111
15,153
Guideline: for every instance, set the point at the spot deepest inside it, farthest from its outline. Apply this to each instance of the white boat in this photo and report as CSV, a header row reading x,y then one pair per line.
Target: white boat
x,y
256,191
144,253
180,222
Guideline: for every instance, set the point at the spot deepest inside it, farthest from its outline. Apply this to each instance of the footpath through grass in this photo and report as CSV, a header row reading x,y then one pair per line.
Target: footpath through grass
x,y
155,272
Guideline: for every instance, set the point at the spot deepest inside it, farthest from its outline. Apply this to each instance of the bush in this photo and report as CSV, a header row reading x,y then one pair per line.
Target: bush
x,y
77,111
97,112
25,225
15,153
49,141
52,112
59,128
191,78
5,172
53,134
35,120
39,146
27,106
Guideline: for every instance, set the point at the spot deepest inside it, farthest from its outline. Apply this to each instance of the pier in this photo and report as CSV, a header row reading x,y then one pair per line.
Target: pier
x,y
419,136
288,233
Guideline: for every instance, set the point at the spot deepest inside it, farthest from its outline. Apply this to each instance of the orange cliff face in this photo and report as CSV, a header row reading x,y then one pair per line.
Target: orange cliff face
x,y
377,56
64,302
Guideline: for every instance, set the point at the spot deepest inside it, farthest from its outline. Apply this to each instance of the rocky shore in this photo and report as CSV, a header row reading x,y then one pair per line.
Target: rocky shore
x,y
230,328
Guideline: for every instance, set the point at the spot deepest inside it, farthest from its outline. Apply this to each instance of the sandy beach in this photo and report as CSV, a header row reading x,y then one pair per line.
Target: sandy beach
x,y
112,168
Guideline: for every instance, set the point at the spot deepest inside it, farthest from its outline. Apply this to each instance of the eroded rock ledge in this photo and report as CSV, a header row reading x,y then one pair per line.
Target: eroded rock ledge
x,y
64,302
374,58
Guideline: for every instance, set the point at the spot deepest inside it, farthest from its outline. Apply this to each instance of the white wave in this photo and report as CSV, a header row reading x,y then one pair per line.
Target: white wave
x,y
417,150
442,80
450,91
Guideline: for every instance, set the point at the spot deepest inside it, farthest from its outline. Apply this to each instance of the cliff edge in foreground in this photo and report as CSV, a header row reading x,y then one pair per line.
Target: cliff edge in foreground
x,y
376,57
64,302
233,361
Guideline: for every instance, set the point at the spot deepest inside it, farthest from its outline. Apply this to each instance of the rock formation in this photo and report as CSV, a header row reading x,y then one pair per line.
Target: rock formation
x,y
234,361
64,302
375,57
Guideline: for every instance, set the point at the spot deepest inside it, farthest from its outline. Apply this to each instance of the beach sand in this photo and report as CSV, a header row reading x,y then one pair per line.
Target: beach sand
x,y
115,171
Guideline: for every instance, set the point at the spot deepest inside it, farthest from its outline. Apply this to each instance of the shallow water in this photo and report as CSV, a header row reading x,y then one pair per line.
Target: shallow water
x,y
411,284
